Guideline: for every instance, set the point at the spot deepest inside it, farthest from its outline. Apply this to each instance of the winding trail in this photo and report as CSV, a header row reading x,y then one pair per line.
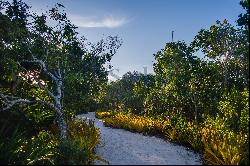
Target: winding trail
x,y
123,147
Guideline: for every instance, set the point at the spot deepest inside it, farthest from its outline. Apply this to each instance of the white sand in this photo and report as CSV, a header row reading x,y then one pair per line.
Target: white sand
x,y
123,147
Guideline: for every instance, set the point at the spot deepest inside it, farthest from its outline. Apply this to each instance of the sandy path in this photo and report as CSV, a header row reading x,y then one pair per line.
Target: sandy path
x,y
124,147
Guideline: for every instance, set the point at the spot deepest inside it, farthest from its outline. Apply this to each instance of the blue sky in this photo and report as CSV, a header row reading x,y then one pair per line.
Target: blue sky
x,y
144,25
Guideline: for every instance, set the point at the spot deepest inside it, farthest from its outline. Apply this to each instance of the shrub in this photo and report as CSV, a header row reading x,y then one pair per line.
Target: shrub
x,y
44,147
40,149
101,115
223,146
9,143
80,145
17,149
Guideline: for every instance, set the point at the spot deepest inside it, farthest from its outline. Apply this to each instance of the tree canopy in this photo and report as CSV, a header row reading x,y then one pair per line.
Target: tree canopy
x,y
45,52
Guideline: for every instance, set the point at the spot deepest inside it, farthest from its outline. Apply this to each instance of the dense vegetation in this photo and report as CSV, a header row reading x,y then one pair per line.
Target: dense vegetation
x,y
48,73
199,102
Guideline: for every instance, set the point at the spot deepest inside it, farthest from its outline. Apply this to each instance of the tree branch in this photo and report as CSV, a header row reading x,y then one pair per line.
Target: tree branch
x,y
10,101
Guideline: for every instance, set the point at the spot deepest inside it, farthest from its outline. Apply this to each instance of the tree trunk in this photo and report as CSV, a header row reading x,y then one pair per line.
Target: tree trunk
x,y
58,106
60,120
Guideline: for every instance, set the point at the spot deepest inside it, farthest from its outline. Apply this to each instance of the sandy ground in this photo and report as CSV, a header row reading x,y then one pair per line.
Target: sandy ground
x,y
119,146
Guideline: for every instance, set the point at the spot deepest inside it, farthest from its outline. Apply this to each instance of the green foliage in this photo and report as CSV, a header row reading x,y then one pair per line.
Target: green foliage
x,y
244,18
83,86
232,108
204,100
43,148
78,149
40,149
125,95
244,117
72,153
16,149
223,146
226,45
36,57
8,145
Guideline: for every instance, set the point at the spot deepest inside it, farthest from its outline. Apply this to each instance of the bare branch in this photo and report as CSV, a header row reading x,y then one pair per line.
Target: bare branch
x,y
10,101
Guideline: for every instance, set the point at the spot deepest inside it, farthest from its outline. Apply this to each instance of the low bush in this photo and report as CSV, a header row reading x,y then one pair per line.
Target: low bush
x,y
17,149
101,115
45,147
79,148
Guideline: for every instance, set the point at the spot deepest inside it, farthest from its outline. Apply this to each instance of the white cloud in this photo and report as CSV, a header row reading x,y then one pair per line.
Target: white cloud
x,y
93,22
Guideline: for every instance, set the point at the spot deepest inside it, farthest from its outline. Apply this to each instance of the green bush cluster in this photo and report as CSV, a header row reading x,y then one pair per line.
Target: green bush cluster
x,y
18,145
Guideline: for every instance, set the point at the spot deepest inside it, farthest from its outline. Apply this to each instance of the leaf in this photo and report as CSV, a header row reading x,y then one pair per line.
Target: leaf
x,y
215,147
215,158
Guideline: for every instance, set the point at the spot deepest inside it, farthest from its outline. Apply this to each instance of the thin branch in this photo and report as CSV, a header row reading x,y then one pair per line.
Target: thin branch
x,y
10,101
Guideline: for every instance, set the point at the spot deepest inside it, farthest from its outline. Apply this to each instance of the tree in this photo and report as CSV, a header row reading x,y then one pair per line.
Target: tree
x,y
91,76
30,44
223,43
120,93
244,18
172,68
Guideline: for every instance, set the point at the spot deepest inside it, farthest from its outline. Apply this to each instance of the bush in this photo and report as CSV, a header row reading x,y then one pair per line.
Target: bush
x,y
101,115
44,147
9,143
223,146
17,149
40,149
79,148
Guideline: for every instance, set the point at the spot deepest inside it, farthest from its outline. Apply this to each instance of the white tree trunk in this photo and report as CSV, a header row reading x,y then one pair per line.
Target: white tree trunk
x,y
58,107
60,120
